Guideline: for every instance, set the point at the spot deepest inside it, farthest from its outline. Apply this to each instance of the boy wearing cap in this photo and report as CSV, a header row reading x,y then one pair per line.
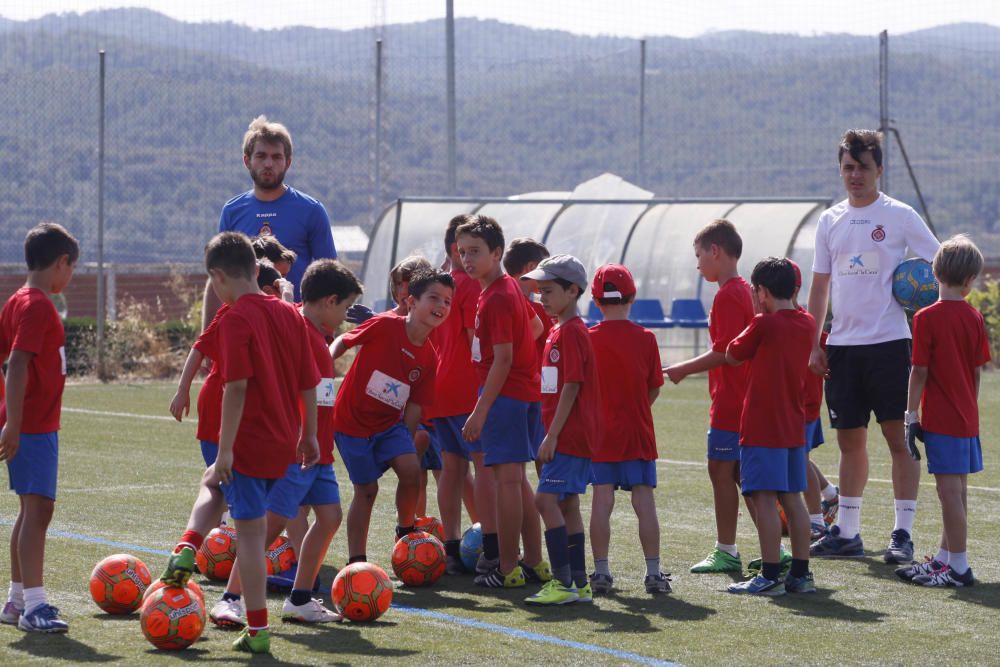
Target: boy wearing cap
x,y
627,358
571,415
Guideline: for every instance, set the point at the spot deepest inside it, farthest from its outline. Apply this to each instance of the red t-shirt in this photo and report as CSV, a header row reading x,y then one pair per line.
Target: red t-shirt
x,y
29,323
569,357
732,310
547,324
504,316
388,372
264,341
814,388
628,366
325,393
949,338
210,396
457,383
777,345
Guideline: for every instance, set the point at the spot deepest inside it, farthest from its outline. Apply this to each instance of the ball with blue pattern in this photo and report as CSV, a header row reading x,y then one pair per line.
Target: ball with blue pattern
x,y
914,285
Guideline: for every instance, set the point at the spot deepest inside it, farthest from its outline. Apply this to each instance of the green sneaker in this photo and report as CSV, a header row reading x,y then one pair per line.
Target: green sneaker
x,y
718,561
179,568
259,643
785,560
553,593
584,594
537,574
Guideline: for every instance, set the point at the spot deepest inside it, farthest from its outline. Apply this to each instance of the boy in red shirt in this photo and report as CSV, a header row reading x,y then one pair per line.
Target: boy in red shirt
x,y
772,426
628,359
32,344
503,350
392,375
263,430
718,248
950,347
571,407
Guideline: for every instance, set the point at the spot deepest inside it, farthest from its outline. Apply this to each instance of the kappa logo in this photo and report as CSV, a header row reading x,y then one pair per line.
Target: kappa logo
x,y
554,355
878,234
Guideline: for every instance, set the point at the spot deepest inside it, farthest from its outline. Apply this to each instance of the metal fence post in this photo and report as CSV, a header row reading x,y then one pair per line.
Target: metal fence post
x,y
641,153
450,64
101,297
883,105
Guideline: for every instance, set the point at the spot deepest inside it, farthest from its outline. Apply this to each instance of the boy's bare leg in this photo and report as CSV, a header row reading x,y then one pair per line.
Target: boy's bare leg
x,y
316,544
250,561
644,504
15,534
208,506
854,461
727,499
531,525
798,524
812,496
37,514
273,525
449,494
601,507
486,493
951,492
768,525
407,469
905,470
469,496
421,442
359,516
297,528
510,485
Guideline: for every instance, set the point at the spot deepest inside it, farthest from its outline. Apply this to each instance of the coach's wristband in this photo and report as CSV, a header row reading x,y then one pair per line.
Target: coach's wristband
x,y
911,417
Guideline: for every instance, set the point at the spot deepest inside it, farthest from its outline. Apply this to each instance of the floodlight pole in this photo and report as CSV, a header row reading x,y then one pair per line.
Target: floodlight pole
x,y
450,64
883,104
641,153
101,296
377,198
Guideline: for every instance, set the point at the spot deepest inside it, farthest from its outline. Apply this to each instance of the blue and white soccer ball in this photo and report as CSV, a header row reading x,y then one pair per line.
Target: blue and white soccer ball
x,y
914,285
472,546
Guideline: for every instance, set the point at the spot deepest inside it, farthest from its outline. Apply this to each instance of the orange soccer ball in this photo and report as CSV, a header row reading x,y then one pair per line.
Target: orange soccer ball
x,y
432,525
118,583
280,556
362,592
191,584
418,559
217,554
172,618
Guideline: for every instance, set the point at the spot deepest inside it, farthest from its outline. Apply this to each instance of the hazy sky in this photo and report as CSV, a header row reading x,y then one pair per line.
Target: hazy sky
x,y
621,17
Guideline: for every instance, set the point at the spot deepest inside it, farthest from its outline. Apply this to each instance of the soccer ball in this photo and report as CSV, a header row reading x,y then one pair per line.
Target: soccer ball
x,y
172,618
431,525
118,583
191,584
472,546
418,559
914,285
280,556
362,592
217,553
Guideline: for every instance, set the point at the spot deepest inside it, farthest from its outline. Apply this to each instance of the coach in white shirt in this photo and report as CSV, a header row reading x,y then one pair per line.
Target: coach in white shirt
x,y
859,243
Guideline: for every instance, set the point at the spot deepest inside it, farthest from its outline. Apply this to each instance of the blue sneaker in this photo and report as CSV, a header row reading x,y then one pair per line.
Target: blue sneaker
x,y
832,545
44,618
804,584
900,549
759,585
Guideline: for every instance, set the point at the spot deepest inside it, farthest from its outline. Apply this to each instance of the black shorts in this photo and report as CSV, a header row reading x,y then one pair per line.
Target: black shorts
x,y
865,379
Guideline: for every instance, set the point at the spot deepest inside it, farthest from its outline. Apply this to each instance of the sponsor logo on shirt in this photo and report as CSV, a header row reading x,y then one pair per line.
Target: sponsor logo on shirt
x,y
860,264
388,390
878,234
325,393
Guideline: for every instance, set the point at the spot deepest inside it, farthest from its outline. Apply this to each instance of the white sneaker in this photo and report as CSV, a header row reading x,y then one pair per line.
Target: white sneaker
x,y
11,614
228,614
310,612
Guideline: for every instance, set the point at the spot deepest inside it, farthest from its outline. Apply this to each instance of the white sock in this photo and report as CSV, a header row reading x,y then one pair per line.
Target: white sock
x,y
817,518
34,598
849,517
15,594
226,519
829,493
652,566
601,566
959,562
906,511
728,548
943,556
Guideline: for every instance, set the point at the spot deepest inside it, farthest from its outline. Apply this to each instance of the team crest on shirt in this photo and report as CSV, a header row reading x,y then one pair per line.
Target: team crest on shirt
x,y
414,375
878,234
554,355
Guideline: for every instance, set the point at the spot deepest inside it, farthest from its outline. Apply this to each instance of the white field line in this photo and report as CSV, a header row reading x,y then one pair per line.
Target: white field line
x,y
132,415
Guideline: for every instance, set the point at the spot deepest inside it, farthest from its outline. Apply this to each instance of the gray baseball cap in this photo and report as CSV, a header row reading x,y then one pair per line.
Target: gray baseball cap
x,y
566,267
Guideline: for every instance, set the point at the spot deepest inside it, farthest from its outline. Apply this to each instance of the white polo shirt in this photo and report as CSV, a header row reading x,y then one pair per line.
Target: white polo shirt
x,y
860,248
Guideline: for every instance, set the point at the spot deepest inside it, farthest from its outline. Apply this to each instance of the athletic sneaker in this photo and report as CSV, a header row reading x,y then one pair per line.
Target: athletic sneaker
x,y
657,583
539,574
585,595
759,585
43,618
228,614
553,593
718,561
946,577
496,579
259,643
454,566
929,566
900,549
310,612
817,529
11,614
486,565
601,583
803,584
179,568
832,545
784,559
830,507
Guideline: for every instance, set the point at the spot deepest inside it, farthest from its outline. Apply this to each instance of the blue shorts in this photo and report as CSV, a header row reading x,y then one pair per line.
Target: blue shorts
x,y
723,445
778,469
35,466
366,459
564,476
506,436
948,455
209,451
432,457
314,486
247,496
624,474
536,430
814,434
449,436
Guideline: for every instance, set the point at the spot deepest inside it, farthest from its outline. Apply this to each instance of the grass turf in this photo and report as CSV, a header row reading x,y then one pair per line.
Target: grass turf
x,y
132,479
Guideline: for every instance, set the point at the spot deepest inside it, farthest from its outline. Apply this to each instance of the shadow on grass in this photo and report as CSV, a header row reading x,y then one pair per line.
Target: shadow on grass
x,y
203,655
668,606
987,595
614,620
822,604
114,618
455,594
59,646
346,638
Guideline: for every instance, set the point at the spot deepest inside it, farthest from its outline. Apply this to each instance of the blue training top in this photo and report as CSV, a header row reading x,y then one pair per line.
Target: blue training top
x,y
297,220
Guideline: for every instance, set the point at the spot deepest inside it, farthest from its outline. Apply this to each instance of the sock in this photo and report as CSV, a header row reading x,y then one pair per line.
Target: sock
x,y
652,566
453,548
771,571
402,531
906,510
299,597
728,548
816,518
578,559
16,594
231,597
601,566
256,620
800,567
226,517
959,562
360,558
34,598
557,544
190,538
829,492
943,556
849,517
491,546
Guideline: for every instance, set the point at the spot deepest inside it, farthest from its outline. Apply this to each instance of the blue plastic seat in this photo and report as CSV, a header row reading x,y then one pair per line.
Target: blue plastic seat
x,y
688,314
594,314
649,313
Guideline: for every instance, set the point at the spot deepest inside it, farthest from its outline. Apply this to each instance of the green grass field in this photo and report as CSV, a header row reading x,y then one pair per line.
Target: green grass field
x,y
130,477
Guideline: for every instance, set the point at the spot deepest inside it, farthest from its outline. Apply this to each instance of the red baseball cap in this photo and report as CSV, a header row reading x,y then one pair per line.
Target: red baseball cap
x,y
612,281
798,273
